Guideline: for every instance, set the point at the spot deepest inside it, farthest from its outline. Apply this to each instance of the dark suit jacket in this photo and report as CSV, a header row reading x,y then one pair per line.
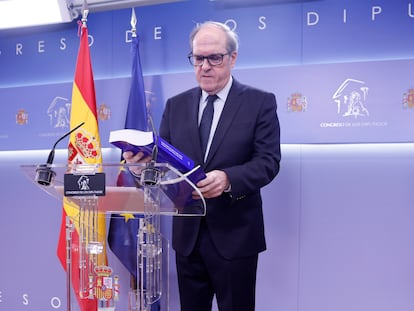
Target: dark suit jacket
x,y
246,145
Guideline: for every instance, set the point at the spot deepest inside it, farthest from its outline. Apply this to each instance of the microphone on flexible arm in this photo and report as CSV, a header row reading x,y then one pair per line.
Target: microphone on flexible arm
x,y
44,172
150,175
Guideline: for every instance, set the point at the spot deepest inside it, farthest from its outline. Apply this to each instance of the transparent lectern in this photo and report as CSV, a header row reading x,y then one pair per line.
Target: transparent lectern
x,y
89,192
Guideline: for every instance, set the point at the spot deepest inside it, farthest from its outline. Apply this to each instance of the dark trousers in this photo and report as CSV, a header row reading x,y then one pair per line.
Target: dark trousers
x,y
205,273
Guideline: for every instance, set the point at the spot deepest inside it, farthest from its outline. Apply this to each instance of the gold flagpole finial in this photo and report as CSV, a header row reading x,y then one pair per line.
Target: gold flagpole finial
x,y
133,23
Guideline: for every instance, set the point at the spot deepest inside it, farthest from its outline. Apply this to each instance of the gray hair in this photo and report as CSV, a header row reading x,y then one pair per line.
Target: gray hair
x,y
232,38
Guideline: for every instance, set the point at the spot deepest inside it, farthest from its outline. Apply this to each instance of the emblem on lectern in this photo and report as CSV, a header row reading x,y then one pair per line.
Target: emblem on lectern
x,y
105,286
83,183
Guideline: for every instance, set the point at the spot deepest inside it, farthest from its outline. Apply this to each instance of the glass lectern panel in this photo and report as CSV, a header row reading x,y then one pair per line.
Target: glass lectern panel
x,y
138,194
124,192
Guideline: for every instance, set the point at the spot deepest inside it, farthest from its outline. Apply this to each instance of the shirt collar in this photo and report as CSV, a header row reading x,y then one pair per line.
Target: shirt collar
x,y
222,94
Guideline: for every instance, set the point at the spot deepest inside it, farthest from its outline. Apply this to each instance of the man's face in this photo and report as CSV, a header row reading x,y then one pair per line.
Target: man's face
x,y
208,41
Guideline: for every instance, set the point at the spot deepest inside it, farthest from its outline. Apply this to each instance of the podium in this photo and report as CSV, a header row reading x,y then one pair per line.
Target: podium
x,y
92,192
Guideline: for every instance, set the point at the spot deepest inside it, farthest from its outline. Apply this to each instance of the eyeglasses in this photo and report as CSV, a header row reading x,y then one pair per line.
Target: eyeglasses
x,y
213,59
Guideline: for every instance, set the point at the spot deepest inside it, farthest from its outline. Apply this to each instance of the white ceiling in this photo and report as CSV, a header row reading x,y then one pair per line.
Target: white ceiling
x,y
26,13
105,5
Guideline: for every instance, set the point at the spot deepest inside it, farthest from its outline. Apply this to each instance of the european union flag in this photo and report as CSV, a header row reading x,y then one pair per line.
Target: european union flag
x,y
123,228
136,116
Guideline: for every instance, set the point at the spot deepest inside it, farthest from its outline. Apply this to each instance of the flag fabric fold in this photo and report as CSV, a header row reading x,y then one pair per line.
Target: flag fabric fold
x,y
84,148
137,115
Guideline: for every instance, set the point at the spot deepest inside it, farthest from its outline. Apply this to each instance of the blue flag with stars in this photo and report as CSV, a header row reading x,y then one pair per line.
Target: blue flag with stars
x,y
123,228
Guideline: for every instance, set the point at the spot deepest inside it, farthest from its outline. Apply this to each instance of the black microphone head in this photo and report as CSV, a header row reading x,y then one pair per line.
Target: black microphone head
x,y
150,176
44,175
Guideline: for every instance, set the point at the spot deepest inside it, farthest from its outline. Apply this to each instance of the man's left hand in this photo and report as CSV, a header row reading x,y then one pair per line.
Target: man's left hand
x,y
214,184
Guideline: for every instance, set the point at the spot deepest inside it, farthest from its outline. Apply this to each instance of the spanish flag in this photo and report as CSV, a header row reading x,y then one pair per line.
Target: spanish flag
x,y
84,148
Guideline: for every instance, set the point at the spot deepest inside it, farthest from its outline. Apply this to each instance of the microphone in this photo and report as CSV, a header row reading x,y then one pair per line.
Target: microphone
x,y
151,175
44,172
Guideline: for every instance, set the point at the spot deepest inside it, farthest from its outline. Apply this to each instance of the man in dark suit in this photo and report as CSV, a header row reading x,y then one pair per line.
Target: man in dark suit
x,y
218,254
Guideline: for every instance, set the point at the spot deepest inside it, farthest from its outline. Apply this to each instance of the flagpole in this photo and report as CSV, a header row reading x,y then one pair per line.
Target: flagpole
x,y
80,265
69,229
134,283
69,225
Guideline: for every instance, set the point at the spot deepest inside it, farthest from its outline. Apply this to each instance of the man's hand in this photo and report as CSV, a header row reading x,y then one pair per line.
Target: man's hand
x,y
138,158
214,184
131,158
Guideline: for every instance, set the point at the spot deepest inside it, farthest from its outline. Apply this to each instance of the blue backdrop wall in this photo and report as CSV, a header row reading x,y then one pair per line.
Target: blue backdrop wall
x,y
338,216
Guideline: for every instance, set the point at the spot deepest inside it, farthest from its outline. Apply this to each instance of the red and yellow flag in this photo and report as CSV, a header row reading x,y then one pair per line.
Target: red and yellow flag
x,y
84,148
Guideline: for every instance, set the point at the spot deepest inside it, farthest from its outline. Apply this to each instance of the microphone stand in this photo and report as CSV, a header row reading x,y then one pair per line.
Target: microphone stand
x,y
151,175
44,172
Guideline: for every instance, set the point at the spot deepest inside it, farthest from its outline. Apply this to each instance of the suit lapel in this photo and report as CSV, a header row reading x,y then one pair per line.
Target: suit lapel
x,y
194,138
228,114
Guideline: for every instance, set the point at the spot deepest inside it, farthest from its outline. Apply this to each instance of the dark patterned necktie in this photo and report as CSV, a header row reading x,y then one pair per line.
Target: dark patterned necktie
x,y
206,120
